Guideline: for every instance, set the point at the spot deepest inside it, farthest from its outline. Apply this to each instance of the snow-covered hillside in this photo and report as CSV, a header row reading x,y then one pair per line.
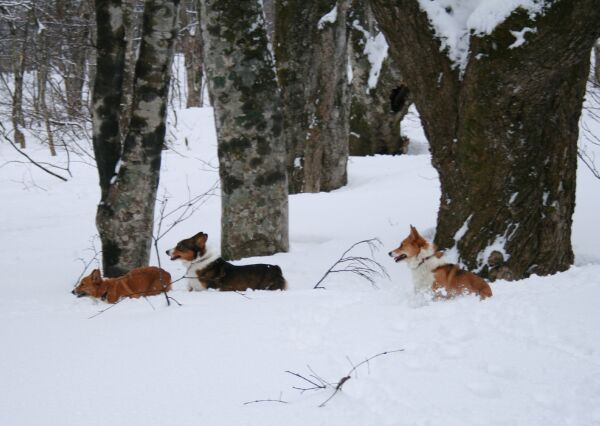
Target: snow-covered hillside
x,y
528,356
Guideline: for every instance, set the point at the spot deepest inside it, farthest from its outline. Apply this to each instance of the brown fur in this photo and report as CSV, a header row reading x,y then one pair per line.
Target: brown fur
x,y
448,279
222,275
146,281
456,281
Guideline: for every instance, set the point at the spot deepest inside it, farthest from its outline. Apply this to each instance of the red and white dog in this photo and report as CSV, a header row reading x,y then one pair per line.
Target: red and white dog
x,y
432,272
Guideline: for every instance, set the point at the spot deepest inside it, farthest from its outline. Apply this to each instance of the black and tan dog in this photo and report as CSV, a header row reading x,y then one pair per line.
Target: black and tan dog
x,y
208,270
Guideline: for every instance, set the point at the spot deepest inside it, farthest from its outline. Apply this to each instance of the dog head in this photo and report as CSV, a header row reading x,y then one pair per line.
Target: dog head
x,y
410,247
189,249
92,285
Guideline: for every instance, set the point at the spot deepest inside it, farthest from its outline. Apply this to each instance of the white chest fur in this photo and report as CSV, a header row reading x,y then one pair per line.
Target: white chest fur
x,y
422,267
193,284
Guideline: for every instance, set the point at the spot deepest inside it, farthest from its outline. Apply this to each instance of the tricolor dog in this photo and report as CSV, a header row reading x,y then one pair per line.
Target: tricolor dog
x,y
145,281
432,272
206,269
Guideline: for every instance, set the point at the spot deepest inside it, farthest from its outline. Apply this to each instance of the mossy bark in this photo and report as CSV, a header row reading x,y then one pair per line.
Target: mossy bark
x,y
503,136
246,99
312,66
376,112
126,212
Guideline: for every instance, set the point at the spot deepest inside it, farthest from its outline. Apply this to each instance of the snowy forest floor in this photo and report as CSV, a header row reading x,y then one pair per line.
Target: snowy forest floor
x,y
528,356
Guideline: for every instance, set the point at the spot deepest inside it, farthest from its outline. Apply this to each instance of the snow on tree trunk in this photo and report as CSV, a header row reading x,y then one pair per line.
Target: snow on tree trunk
x,y
125,215
311,45
241,78
380,100
504,134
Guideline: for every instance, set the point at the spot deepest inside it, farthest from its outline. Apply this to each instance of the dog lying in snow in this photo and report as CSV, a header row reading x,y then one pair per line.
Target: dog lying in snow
x,y
431,271
146,281
208,270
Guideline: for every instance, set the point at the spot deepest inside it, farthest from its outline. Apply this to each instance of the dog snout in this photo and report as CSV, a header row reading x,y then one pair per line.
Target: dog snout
x,y
73,291
391,254
168,252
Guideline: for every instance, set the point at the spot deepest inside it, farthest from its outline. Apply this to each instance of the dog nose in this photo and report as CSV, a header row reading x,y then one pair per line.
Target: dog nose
x,y
73,291
390,254
167,251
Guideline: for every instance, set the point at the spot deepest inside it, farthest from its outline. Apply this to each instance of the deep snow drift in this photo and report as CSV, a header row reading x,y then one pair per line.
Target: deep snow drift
x,y
528,356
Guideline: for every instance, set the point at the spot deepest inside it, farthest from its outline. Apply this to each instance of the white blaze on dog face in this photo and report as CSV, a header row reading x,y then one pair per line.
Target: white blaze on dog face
x,y
410,246
190,248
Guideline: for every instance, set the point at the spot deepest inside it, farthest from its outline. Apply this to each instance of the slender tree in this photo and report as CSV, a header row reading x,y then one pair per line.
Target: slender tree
x,y
126,211
503,135
243,86
191,44
311,46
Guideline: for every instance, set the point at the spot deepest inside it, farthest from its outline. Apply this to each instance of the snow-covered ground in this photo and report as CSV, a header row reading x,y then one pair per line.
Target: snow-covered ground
x,y
528,356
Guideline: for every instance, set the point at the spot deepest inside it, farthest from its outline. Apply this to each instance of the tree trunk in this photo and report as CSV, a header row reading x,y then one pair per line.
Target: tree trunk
x,y
106,96
311,45
503,136
243,86
378,92
132,28
18,55
191,41
597,63
126,214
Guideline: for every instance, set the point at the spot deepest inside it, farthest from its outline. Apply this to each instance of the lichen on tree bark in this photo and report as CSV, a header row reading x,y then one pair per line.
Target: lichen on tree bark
x,y
126,212
311,46
241,78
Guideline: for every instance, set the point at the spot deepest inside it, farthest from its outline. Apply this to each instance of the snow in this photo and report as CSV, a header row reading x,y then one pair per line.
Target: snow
x,y
376,51
329,18
520,37
527,356
454,20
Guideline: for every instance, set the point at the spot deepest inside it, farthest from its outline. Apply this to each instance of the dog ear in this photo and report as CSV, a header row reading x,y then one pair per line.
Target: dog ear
x,y
200,239
95,275
413,232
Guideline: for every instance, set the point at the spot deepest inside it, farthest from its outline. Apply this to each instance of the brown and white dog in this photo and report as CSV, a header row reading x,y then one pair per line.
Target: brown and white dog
x,y
146,281
208,270
432,272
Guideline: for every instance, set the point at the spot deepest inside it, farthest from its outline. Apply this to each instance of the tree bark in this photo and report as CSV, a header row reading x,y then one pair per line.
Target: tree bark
x,y
191,41
597,63
504,136
125,215
132,22
241,78
106,96
379,94
311,46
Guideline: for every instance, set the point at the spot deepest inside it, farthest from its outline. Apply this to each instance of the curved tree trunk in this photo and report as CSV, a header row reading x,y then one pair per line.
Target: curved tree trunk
x,y
378,93
504,136
311,46
125,215
241,79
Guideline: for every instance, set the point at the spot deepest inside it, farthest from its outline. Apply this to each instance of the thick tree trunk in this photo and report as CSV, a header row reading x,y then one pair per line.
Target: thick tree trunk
x,y
504,136
191,41
125,215
378,92
311,45
241,79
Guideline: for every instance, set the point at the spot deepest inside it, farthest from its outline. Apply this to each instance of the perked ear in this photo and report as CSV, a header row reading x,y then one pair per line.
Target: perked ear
x,y
413,232
96,275
200,239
